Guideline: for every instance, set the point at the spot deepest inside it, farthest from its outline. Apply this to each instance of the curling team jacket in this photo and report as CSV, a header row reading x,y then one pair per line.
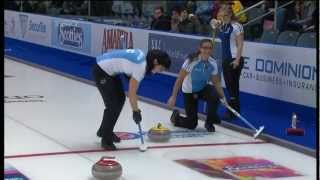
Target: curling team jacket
x,y
199,74
227,33
130,62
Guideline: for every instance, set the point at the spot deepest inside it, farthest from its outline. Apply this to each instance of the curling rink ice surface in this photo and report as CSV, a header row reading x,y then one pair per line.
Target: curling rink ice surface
x,y
50,134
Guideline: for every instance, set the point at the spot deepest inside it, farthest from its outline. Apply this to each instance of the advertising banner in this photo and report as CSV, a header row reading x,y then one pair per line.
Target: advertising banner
x,y
281,72
28,27
71,35
10,24
106,38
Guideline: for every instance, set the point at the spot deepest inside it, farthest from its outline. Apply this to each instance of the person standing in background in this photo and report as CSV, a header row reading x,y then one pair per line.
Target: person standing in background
x,y
231,34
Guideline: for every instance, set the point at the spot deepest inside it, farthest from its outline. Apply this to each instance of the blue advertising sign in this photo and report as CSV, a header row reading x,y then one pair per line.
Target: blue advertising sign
x,y
72,35
179,48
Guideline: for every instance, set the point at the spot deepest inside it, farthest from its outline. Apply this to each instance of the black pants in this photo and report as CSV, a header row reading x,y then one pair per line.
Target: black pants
x,y
191,107
232,78
111,90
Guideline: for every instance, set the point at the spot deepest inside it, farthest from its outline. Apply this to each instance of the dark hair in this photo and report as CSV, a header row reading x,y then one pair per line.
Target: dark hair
x,y
194,55
161,56
176,9
159,7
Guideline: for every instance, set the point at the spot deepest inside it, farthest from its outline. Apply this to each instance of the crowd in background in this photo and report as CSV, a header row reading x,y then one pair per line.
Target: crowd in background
x,y
180,16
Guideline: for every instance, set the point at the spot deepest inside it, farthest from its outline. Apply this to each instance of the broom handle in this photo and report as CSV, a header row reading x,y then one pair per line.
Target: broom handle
x,y
242,118
140,132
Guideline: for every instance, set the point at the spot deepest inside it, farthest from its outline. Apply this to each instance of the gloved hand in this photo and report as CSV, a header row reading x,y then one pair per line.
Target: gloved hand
x,y
137,116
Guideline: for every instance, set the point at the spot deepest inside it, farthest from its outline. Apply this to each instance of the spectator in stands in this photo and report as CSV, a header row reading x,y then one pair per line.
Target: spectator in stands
x,y
11,5
186,25
248,3
123,8
215,8
298,16
311,25
203,11
175,19
148,7
191,7
236,8
68,8
116,7
175,12
26,6
81,7
195,20
171,5
137,8
39,7
231,34
197,70
160,21
54,8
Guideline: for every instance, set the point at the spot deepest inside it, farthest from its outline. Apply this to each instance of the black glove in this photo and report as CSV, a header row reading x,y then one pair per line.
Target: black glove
x,y
137,116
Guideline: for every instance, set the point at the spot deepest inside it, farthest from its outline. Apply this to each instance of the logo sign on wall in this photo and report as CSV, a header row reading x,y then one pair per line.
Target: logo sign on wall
x,y
116,39
9,25
286,73
34,28
72,35
23,18
178,48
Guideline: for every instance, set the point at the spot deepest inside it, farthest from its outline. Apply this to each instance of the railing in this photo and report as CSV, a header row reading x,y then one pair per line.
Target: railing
x,y
262,16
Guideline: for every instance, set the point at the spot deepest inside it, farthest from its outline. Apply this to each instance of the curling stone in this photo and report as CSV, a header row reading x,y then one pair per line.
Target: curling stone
x,y
159,133
107,169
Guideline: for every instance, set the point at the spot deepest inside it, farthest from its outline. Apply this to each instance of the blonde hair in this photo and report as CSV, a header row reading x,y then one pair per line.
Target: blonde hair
x,y
226,10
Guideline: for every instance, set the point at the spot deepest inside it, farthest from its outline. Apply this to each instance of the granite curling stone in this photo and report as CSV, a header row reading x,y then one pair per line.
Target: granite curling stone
x,y
159,133
107,169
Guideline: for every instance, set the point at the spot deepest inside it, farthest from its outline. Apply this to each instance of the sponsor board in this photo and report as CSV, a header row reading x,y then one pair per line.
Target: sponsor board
x,y
280,72
10,23
106,38
28,27
71,35
34,28
116,39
